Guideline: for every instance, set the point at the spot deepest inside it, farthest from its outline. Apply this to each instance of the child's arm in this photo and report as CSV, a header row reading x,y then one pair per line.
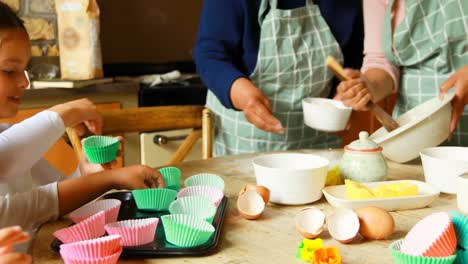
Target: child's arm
x,y
45,203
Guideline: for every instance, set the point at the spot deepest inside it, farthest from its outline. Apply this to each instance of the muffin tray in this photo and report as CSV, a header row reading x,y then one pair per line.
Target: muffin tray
x,y
159,247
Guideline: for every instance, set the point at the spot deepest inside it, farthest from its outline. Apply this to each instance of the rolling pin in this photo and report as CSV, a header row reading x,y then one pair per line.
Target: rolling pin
x,y
384,118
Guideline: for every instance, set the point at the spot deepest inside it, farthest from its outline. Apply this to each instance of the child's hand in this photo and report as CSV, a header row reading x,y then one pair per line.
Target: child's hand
x,y
8,237
459,81
89,168
354,92
78,114
137,177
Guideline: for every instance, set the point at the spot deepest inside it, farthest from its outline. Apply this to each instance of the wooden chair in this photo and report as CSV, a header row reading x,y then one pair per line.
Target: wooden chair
x,y
153,119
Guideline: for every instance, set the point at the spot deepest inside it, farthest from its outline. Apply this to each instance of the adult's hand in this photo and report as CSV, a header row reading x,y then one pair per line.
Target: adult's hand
x,y
459,81
255,105
354,92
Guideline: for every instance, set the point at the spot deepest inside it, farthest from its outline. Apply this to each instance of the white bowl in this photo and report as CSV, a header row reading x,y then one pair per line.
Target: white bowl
x,y
462,193
292,178
426,125
443,165
325,114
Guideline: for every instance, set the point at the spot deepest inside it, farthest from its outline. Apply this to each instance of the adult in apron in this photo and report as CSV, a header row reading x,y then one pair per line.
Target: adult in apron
x,y
290,66
429,45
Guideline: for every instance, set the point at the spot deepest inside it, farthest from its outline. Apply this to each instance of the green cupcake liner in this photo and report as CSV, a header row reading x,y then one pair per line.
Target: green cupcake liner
x,y
205,179
462,256
460,223
198,206
156,199
101,149
171,176
186,230
402,258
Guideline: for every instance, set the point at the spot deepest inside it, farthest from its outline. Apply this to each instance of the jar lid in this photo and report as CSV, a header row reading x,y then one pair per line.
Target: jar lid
x,y
363,144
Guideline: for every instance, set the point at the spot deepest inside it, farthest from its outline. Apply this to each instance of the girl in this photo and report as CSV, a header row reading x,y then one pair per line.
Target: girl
x,y
31,191
418,48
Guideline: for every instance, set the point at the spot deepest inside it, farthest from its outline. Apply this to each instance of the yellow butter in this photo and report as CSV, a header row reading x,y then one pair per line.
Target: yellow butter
x,y
356,191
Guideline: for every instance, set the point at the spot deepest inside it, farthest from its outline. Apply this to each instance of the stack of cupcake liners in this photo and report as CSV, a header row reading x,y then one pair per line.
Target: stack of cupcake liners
x,y
402,258
213,193
171,176
91,227
99,250
109,206
209,179
460,223
101,149
134,232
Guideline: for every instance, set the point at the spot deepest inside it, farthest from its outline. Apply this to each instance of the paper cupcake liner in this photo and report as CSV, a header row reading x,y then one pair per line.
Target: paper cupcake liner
x,y
210,192
110,207
462,256
101,149
186,230
156,199
198,206
94,248
418,244
460,223
89,228
171,176
134,232
402,258
205,179
111,259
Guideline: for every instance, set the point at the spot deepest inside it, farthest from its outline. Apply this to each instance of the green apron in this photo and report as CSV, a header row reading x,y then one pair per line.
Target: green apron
x,y
290,66
429,45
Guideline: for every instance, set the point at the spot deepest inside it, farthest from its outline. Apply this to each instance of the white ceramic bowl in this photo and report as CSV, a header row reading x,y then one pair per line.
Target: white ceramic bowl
x,y
325,114
292,178
443,165
426,125
462,193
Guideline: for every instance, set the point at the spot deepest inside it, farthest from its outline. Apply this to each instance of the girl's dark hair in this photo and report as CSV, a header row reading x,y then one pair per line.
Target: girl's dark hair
x,y
9,19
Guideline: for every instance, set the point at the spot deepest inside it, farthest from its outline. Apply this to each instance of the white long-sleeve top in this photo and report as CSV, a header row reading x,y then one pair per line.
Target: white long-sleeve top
x,y
28,183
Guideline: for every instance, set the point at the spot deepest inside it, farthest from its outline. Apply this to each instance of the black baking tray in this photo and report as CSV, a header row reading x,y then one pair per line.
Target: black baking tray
x,y
159,247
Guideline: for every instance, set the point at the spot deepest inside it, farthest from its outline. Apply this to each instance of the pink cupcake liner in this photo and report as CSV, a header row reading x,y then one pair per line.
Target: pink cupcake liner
x,y
134,232
213,193
93,248
433,236
89,228
111,259
110,207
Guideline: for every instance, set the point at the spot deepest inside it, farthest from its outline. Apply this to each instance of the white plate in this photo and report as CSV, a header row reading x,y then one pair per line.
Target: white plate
x,y
336,196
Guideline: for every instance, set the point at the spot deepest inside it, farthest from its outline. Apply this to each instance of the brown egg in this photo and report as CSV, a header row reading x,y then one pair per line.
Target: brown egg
x,y
376,223
262,190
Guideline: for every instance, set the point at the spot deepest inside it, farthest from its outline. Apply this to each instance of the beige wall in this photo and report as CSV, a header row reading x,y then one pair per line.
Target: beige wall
x,y
148,31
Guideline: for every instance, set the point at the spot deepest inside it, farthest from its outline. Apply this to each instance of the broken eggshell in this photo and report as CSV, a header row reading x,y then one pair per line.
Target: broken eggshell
x,y
250,204
262,190
310,222
343,225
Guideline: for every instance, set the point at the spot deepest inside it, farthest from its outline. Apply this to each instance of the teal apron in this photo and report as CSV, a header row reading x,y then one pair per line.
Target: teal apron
x,y
290,66
429,45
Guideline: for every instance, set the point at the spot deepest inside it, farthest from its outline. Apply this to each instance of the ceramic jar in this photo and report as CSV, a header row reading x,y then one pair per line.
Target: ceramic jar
x,y
363,161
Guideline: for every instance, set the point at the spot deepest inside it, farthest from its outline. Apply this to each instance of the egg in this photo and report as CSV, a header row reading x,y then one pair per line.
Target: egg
x,y
310,222
262,190
250,204
343,225
376,223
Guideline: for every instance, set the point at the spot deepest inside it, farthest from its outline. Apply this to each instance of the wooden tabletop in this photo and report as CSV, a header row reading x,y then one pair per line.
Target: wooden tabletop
x,y
272,238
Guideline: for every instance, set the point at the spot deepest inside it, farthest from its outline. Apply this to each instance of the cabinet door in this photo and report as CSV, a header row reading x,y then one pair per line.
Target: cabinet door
x,y
60,155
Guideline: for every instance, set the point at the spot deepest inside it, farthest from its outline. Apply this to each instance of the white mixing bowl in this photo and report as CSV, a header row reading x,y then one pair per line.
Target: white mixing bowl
x,y
292,178
443,165
325,114
426,125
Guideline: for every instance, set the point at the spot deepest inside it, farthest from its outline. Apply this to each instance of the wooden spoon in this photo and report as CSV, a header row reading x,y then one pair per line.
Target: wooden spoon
x,y
384,118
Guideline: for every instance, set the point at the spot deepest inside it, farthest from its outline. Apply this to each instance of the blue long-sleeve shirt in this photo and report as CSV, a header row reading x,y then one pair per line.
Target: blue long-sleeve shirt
x,y
229,34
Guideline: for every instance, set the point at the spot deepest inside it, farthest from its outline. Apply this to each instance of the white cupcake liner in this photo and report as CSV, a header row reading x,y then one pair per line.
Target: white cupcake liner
x,y
203,190
110,207
93,248
111,259
91,227
134,232
209,179
198,206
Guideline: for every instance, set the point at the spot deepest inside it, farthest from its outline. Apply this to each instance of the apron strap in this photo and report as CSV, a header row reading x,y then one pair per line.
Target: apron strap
x,y
387,35
268,5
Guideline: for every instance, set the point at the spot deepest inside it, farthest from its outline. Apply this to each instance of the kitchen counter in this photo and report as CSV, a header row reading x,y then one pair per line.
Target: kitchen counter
x,y
272,238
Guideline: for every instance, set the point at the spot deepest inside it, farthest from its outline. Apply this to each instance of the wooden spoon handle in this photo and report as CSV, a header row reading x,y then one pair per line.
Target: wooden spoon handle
x,y
384,118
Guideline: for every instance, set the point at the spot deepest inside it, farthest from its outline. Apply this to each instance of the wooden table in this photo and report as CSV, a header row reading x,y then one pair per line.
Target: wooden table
x,y
272,238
